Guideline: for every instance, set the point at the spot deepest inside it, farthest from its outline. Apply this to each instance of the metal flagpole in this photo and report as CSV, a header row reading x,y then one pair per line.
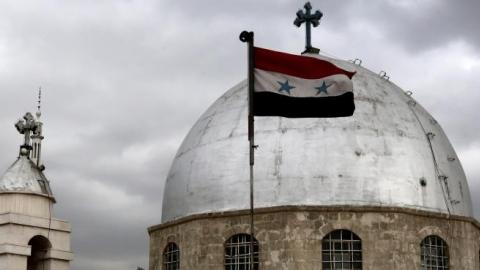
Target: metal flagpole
x,y
248,37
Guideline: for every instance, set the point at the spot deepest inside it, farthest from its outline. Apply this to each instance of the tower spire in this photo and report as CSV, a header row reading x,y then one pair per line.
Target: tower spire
x,y
37,136
39,103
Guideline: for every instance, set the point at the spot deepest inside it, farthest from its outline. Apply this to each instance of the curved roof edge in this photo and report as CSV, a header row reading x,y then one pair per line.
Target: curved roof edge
x,y
24,177
319,208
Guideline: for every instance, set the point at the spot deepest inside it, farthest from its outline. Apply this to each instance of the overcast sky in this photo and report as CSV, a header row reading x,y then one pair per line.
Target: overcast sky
x,y
125,80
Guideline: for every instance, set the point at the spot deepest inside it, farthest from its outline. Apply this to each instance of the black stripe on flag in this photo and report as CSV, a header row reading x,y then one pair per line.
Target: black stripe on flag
x,y
271,104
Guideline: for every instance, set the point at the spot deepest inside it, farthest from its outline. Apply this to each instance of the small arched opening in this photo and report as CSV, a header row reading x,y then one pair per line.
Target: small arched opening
x,y
342,249
39,249
434,253
238,252
171,257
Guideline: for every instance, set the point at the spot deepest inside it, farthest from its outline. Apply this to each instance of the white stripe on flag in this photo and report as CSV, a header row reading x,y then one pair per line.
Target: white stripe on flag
x,y
268,81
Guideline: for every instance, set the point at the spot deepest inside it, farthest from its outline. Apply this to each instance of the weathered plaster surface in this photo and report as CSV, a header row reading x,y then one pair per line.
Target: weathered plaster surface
x,y
378,157
290,238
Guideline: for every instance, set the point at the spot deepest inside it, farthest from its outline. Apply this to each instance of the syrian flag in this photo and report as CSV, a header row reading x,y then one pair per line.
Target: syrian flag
x,y
300,86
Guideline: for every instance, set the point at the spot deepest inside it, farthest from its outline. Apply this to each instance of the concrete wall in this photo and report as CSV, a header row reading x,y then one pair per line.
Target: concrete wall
x,y
53,264
19,229
12,262
28,204
24,216
16,230
19,262
290,237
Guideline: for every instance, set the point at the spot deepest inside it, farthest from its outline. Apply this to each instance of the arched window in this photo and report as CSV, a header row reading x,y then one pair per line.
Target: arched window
x,y
237,252
434,253
341,249
39,248
171,257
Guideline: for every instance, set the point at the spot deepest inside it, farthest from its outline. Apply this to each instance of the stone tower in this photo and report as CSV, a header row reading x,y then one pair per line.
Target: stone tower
x,y
30,238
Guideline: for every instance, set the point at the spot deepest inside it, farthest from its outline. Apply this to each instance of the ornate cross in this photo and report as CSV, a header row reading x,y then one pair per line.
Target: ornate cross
x,y
309,19
26,126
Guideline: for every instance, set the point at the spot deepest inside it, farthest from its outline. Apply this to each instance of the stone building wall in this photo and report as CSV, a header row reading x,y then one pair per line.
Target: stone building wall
x,y
36,205
17,230
290,237
24,216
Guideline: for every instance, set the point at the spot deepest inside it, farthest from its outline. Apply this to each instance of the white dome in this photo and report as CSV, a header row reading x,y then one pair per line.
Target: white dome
x,y
378,157
24,177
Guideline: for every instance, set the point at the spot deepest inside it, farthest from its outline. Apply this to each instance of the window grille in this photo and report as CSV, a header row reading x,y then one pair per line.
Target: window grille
x,y
171,257
341,249
237,253
434,253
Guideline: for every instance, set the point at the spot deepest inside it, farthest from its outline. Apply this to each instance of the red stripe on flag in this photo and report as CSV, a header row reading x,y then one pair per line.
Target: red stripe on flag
x,y
294,65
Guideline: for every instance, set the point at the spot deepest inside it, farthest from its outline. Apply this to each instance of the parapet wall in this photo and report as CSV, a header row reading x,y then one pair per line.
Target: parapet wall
x,y
290,237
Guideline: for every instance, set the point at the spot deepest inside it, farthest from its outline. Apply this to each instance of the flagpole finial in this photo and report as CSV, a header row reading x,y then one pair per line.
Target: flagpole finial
x,y
309,19
246,36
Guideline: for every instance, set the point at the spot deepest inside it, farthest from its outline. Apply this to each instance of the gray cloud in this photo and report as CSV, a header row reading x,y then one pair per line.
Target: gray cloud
x,y
125,80
422,25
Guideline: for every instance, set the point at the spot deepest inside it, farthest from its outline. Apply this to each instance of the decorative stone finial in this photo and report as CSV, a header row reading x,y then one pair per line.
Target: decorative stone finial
x,y
31,128
309,19
26,126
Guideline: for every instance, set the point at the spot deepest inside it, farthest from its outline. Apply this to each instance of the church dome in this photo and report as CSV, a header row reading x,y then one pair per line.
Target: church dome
x,y
24,177
390,153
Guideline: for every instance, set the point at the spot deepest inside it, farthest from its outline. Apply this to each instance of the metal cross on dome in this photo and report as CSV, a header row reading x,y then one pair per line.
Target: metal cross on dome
x,y
309,19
